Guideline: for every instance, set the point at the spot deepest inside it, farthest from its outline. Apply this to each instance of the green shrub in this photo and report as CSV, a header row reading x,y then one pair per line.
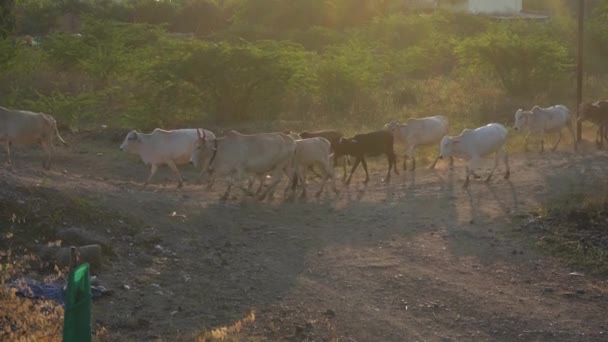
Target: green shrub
x,y
524,64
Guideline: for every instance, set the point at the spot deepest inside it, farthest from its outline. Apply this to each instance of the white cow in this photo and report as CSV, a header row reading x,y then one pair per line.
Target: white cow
x,y
419,132
24,127
238,155
310,152
471,145
165,147
540,120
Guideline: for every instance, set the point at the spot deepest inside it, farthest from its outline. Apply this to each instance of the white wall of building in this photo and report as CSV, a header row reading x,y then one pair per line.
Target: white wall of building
x,y
495,6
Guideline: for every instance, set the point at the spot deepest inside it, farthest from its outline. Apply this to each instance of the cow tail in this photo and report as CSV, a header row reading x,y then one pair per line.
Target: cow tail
x,y
292,167
57,133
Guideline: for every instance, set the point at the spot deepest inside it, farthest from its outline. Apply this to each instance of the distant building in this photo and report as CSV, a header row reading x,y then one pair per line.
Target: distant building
x,y
471,6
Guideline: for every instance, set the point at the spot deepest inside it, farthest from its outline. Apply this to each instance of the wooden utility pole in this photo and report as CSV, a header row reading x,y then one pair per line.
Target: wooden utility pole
x,y
579,68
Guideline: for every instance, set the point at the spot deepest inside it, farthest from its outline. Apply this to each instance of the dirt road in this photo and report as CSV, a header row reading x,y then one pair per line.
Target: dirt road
x,y
419,259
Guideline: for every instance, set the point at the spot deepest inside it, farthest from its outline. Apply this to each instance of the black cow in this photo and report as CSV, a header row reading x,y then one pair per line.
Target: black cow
x,y
597,113
368,144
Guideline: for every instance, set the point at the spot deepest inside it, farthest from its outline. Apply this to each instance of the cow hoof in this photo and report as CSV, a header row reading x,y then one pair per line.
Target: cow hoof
x,y
507,175
488,178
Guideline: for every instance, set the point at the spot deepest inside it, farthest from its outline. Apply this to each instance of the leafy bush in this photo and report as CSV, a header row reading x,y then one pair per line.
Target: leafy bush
x,y
524,64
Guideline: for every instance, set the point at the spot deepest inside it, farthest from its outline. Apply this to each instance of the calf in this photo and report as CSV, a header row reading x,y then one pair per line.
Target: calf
x,y
597,113
165,147
24,127
334,138
419,132
368,144
540,120
472,145
309,152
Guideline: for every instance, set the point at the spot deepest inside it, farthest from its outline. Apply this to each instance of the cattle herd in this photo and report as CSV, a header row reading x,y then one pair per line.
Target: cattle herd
x,y
269,156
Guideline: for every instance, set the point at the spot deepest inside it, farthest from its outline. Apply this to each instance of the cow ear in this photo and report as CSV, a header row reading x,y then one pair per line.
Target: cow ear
x,y
535,108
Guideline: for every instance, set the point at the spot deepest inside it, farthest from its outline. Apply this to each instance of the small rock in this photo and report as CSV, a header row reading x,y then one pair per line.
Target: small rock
x,y
126,287
329,313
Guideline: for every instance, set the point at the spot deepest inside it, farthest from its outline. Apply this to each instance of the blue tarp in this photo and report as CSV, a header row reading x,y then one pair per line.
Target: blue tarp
x,y
32,289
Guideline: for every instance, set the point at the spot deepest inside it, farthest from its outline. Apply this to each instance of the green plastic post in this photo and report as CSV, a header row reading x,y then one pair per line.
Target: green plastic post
x,y
77,315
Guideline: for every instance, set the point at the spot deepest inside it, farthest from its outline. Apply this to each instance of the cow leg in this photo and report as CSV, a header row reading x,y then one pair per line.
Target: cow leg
x,y
301,174
329,173
228,188
293,183
392,163
571,129
392,160
526,141
261,178
8,154
326,168
451,162
405,156
505,157
173,168
497,156
542,141
466,181
412,154
48,148
153,170
559,137
345,160
364,163
357,161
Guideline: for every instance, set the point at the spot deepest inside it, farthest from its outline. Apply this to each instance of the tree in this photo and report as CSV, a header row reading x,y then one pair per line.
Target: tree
x,y
7,18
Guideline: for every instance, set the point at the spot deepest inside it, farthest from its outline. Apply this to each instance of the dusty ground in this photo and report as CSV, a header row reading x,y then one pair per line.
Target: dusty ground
x,y
420,259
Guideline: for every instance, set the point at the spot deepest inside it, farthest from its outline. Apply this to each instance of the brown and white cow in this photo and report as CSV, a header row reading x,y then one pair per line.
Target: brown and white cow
x,y
237,156
25,127
165,147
